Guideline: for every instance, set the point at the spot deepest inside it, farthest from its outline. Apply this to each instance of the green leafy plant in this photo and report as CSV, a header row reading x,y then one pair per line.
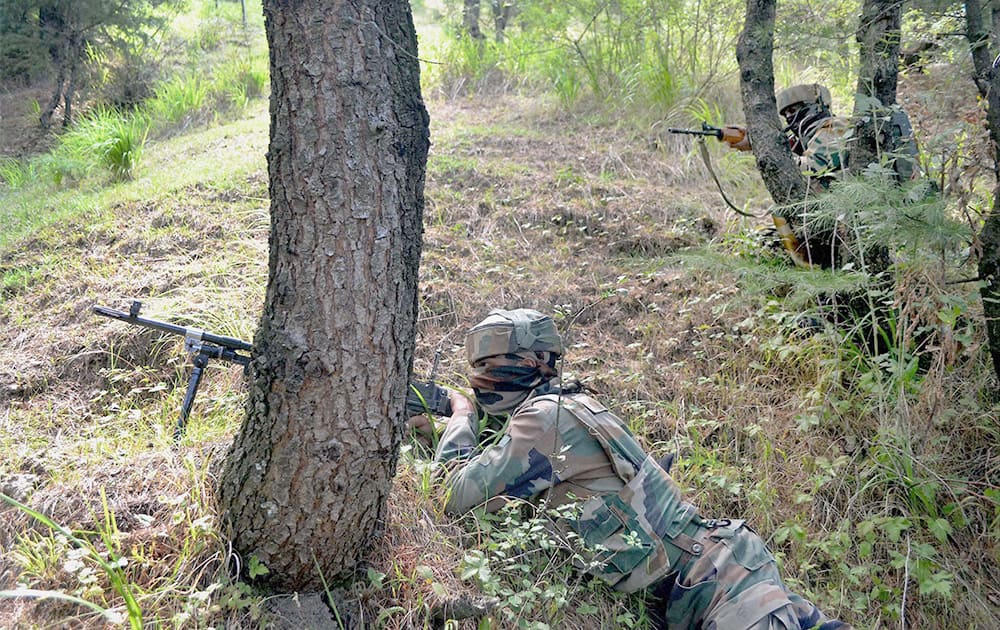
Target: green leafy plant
x,y
530,565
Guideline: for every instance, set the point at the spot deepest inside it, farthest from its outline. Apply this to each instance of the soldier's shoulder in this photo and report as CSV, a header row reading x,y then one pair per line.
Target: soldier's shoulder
x,y
570,401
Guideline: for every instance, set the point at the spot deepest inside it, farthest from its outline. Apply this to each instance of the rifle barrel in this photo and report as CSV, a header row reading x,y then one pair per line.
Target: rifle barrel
x,y
221,340
717,133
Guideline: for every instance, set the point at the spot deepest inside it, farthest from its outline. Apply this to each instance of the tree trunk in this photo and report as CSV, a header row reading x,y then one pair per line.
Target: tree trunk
x,y
502,12
878,39
305,483
45,119
470,18
988,82
52,31
770,144
76,53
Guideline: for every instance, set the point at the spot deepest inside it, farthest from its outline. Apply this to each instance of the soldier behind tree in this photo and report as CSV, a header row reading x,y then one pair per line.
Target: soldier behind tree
x,y
561,446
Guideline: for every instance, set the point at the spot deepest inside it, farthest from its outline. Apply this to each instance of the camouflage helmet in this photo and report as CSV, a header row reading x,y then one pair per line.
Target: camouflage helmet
x,y
805,94
504,332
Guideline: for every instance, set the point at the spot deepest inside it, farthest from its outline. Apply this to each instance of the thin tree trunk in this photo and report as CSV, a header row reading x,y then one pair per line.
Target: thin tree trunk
x,y
45,120
502,12
878,37
987,80
770,144
76,53
305,484
470,18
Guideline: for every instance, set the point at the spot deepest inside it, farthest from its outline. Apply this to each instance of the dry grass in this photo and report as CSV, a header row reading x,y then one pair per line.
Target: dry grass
x,y
526,206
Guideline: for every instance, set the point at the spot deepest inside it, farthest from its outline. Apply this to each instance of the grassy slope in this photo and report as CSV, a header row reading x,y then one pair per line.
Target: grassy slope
x,y
527,206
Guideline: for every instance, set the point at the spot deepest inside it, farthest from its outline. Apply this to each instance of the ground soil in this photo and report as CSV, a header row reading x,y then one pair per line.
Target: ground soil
x,y
20,132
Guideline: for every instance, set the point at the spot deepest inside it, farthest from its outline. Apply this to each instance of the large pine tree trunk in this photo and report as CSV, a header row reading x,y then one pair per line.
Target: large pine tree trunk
x,y
305,484
987,80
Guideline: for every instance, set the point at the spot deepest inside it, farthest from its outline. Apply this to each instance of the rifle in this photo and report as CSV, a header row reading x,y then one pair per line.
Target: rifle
x,y
732,135
203,345
428,397
422,397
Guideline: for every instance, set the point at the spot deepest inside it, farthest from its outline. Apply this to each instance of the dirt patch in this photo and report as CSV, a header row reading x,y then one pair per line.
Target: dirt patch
x,y
21,134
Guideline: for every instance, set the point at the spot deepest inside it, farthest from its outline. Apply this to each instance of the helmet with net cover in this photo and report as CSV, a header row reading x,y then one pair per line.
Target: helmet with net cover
x,y
801,95
507,332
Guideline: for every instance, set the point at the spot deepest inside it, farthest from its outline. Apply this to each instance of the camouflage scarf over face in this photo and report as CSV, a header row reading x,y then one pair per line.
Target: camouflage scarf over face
x,y
502,382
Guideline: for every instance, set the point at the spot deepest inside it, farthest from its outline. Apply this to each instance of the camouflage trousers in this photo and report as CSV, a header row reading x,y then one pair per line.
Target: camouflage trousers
x,y
728,580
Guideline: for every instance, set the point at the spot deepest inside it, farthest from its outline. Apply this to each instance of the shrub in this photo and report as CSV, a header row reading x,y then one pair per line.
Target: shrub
x,y
104,138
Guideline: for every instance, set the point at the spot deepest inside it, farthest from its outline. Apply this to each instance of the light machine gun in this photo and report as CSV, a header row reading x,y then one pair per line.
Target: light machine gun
x,y
201,344
421,397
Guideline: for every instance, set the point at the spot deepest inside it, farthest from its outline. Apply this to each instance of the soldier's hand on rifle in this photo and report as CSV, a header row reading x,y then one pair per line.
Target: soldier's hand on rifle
x,y
427,428
736,137
461,406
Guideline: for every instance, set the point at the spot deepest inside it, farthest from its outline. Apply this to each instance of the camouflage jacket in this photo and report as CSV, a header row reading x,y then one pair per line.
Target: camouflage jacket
x,y
567,449
826,149
827,153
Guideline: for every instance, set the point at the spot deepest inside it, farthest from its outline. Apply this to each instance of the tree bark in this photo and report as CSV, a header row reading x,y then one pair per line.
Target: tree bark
x,y
987,80
470,18
76,48
53,29
45,119
754,52
878,37
305,483
502,12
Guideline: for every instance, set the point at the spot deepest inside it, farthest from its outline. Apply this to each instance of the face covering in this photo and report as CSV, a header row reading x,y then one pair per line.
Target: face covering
x,y
503,382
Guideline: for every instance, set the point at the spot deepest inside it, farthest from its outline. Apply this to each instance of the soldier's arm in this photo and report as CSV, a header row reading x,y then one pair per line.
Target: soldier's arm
x,y
515,466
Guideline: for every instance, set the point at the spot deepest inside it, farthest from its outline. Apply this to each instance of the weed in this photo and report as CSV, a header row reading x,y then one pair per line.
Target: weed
x,y
178,99
16,173
533,567
109,562
103,138
242,80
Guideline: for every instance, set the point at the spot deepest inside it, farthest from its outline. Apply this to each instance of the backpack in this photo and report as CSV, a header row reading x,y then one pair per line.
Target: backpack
x,y
904,145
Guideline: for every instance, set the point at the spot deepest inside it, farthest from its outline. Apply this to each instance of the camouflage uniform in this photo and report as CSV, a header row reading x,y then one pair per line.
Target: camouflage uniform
x,y
822,154
826,151
566,448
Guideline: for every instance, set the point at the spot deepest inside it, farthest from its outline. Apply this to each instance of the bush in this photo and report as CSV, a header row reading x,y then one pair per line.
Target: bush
x,y
103,138
178,99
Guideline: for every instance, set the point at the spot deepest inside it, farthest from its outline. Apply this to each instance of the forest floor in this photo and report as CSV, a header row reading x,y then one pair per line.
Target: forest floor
x,y
616,231
20,133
